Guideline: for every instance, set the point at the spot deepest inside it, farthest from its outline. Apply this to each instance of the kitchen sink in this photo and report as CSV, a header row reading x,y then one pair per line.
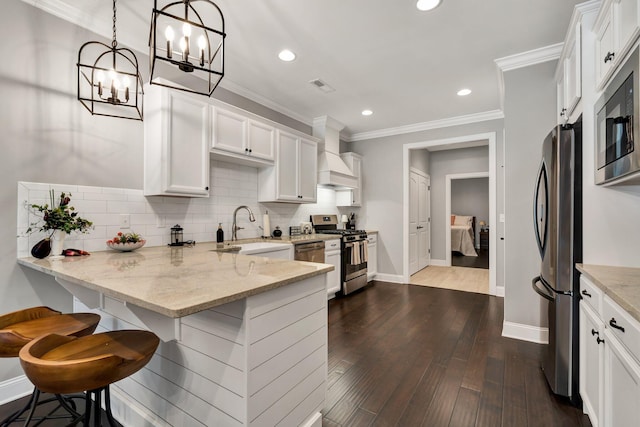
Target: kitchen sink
x,y
268,249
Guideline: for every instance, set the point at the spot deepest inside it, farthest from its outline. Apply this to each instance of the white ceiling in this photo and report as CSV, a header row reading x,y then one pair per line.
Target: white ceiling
x,y
385,55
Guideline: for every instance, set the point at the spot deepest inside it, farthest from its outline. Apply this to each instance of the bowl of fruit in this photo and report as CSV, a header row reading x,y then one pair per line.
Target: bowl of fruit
x,y
126,242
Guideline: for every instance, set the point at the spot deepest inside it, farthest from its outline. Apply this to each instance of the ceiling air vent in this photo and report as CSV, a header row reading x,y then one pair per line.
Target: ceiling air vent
x,y
324,87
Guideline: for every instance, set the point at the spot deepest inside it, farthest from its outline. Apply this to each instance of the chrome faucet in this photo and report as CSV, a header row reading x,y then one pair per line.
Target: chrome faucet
x,y
234,227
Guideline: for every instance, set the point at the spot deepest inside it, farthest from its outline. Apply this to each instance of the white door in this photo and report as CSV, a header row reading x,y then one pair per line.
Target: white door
x,y
307,171
424,221
413,222
287,166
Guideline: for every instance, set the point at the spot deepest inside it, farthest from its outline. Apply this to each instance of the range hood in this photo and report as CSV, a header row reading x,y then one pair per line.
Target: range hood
x,y
332,170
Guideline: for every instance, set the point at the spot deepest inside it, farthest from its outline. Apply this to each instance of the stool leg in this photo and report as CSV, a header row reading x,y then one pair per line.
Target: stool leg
x,y
13,417
36,396
87,410
107,406
96,409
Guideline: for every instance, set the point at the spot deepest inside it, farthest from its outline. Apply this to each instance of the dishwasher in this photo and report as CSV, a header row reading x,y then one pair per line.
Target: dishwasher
x,y
309,251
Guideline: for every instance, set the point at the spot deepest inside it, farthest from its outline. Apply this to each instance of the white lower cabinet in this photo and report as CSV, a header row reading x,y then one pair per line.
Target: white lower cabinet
x,y
372,261
609,360
621,385
592,343
332,256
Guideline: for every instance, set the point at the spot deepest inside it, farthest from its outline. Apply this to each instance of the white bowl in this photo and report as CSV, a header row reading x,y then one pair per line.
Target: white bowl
x,y
126,247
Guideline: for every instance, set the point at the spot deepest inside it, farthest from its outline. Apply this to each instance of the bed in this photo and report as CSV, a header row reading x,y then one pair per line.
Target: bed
x,y
463,233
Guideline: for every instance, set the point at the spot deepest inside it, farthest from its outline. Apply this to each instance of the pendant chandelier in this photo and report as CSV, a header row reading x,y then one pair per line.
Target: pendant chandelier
x,y
110,83
195,61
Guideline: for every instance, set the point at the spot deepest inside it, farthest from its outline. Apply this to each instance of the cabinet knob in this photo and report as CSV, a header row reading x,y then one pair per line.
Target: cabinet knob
x,y
563,112
609,57
250,150
206,188
246,150
585,293
615,325
599,340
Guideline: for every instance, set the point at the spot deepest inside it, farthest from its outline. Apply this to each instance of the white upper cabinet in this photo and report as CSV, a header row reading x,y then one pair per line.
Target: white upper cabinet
x,y
176,147
605,49
353,196
240,138
293,179
617,28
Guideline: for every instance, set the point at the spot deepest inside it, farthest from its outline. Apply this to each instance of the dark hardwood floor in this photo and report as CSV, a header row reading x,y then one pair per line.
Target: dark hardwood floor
x,y
404,355
480,261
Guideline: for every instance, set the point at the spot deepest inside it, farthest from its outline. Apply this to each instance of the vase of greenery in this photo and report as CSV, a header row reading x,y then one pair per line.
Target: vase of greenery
x,y
58,220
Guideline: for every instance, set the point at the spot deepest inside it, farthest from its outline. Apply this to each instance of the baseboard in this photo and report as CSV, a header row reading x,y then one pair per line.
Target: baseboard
x,y
500,291
393,278
126,411
314,421
15,388
438,262
525,332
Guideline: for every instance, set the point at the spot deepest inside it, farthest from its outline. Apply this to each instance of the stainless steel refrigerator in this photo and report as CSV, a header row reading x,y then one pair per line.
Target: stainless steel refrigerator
x,y
558,231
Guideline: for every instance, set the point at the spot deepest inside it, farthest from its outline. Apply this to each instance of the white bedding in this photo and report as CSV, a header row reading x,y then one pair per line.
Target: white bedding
x,y
462,240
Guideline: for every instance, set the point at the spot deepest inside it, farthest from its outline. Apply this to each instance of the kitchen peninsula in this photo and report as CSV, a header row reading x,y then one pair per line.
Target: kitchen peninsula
x,y
244,337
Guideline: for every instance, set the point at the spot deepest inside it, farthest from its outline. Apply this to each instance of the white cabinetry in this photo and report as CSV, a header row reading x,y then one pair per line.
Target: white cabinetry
x,y
176,152
293,179
609,360
372,261
616,28
332,256
235,135
570,83
353,196
591,363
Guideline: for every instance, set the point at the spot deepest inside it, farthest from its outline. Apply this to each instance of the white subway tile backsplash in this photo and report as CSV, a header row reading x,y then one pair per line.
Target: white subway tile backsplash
x,y
231,186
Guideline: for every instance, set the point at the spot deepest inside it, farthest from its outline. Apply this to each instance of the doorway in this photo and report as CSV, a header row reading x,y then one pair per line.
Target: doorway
x,y
484,139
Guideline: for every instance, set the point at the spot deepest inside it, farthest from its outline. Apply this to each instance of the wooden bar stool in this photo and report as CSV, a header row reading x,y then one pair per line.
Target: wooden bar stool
x,y
21,327
63,364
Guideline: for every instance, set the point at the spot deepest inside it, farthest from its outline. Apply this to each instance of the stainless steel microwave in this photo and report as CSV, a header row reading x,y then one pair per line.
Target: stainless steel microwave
x,y
617,160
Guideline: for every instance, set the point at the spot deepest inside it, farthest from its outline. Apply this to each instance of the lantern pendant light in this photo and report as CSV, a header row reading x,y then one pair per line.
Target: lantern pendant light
x,y
110,83
195,63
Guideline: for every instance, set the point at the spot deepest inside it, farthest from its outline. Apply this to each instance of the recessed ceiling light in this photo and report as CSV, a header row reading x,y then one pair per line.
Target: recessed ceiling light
x,y
464,92
286,55
427,4
367,112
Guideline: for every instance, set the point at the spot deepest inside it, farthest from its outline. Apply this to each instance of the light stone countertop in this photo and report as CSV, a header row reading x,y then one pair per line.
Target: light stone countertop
x,y
177,281
621,284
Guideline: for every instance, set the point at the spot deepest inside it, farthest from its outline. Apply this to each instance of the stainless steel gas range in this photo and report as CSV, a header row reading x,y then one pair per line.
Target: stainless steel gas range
x,y
354,255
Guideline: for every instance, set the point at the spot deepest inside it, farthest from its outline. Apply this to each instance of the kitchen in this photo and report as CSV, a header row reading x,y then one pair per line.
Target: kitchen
x,y
50,138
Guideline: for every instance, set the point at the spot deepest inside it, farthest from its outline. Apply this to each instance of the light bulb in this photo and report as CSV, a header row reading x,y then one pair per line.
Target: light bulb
x,y
116,83
100,76
427,4
202,42
186,30
183,44
112,74
126,82
169,34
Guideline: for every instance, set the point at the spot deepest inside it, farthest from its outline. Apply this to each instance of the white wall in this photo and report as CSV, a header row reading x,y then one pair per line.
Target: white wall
x,y
530,95
443,163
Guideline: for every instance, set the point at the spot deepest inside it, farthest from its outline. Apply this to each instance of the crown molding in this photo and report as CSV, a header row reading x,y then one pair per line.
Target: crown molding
x,y
242,91
435,124
528,58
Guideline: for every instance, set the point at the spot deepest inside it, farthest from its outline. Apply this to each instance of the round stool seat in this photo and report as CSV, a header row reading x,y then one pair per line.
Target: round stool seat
x,y
20,327
62,364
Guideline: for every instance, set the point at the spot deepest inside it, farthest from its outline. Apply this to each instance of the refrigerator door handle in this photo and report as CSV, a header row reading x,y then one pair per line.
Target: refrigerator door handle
x,y
546,293
541,208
